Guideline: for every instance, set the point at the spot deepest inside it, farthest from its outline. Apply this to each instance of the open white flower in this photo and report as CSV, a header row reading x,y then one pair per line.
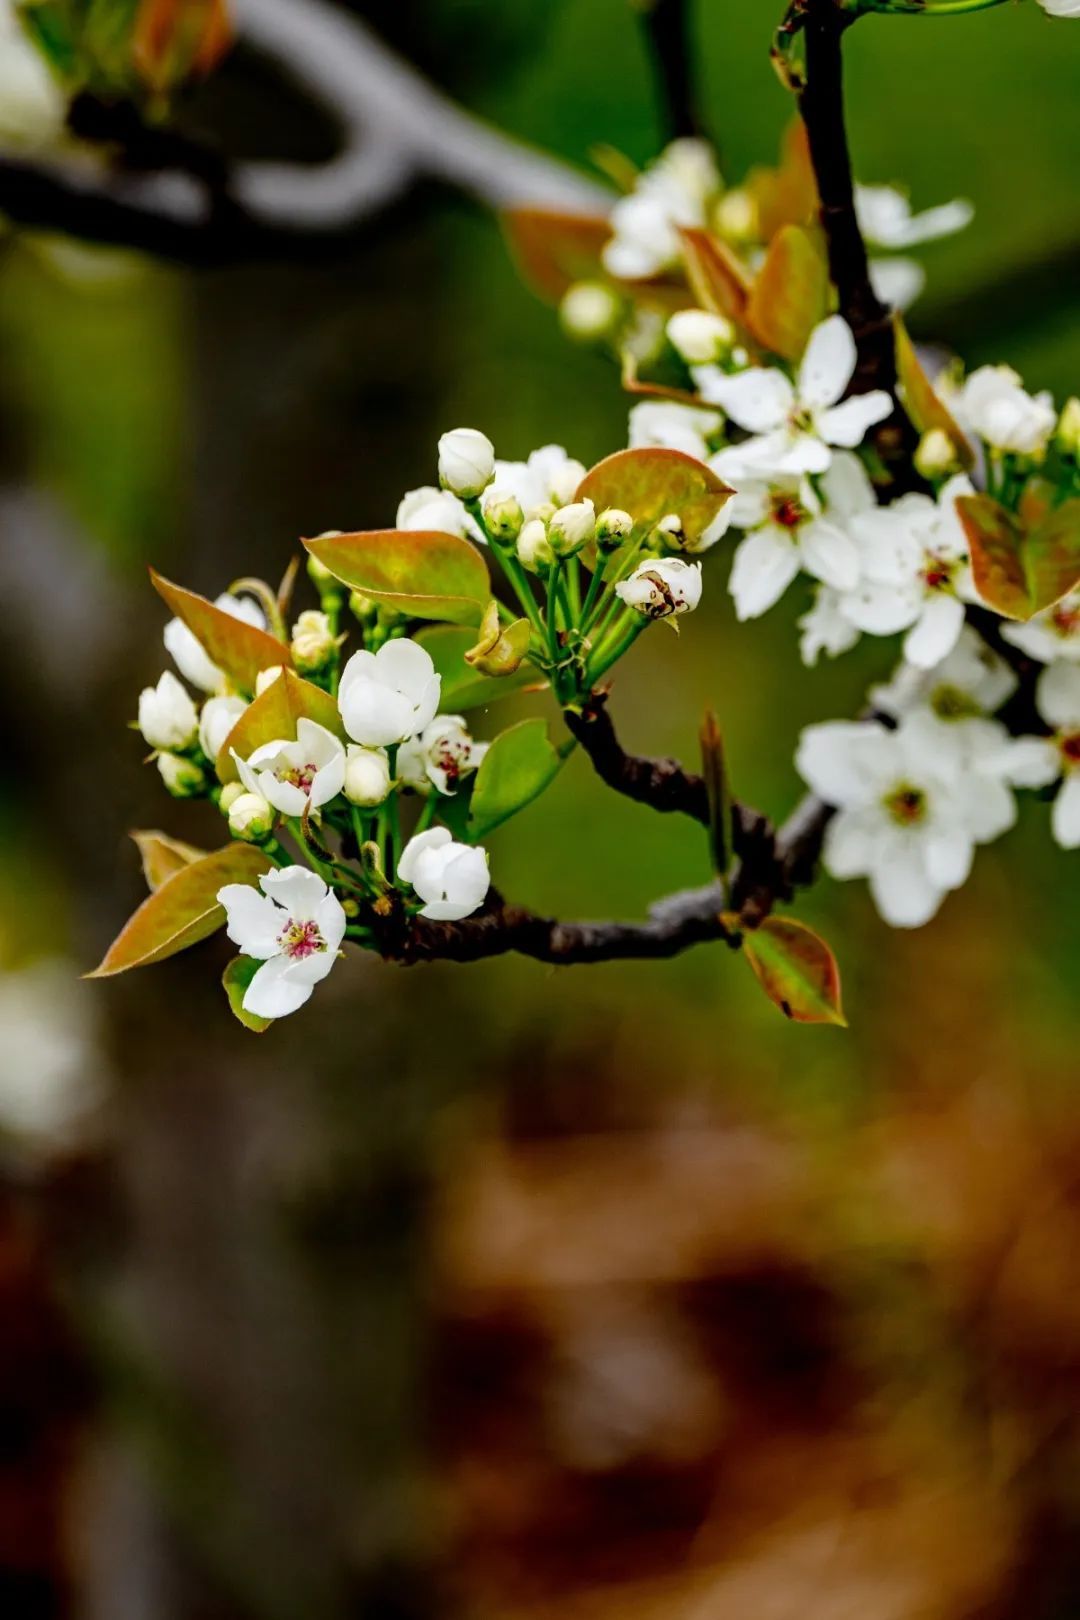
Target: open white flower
x,y
219,716
466,462
548,478
886,219
662,587
916,574
432,510
1054,633
678,189
972,682
452,879
294,928
1039,761
825,627
788,529
390,695
187,651
297,775
442,754
993,404
658,424
909,814
167,716
796,425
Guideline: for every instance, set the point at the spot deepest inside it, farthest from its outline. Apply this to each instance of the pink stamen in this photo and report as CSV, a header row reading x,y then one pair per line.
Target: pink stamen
x,y
301,939
301,776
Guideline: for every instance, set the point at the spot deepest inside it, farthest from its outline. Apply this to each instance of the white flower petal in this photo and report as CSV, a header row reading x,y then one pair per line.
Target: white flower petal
x,y
851,841
252,921
846,487
902,890
300,892
848,424
935,632
434,838
764,565
828,364
948,853
1058,696
829,554
1065,816
275,991
405,665
758,399
848,763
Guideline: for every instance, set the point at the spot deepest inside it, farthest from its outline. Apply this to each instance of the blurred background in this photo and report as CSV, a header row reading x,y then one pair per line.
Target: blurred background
x,y
502,1291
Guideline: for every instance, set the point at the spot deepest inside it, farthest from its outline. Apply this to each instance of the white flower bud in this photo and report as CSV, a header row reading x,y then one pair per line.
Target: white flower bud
x,y
312,642
183,778
219,715
1068,428
503,516
737,216
700,337
265,678
451,878
466,462
572,527
663,587
367,776
613,526
229,795
590,311
250,818
534,548
167,716
935,456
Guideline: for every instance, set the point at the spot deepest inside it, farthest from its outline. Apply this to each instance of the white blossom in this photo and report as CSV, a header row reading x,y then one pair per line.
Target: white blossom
x,y
1039,761
534,549
677,190
699,336
886,219
971,681
443,753
437,511
916,574
294,928
313,641
909,812
367,775
662,587
250,817
590,311
187,651
825,627
466,462
387,696
167,716
1053,633
452,879
299,774
219,716
788,529
571,527
992,403
549,478
796,425
664,425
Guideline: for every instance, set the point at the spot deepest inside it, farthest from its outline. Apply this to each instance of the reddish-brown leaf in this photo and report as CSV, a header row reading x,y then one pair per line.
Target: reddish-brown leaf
x,y
796,969
241,650
273,714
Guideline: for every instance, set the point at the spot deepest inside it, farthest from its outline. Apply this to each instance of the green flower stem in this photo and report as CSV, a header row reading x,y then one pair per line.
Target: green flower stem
x,y
511,567
573,593
554,574
931,8
592,595
427,812
619,642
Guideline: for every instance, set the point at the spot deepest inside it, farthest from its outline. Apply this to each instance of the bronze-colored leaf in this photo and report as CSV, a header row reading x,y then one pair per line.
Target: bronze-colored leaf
x,y
717,277
920,399
796,969
790,295
1019,571
274,714
651,483
163,856
242,650
424,574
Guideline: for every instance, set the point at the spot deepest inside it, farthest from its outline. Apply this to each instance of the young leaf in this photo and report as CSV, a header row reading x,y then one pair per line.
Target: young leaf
x,y
235,979
717,278
463,686
797,970
241,650
791,292
552,250
516,769
920,398
425,575
1019,571
163,856
273,714
182,911
716,787
651,483
788,194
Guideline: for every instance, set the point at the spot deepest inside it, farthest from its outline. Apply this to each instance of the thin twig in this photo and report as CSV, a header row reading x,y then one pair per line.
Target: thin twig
x,y
667,28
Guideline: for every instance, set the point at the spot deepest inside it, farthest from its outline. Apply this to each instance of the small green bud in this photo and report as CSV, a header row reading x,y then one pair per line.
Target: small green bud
x,y
229,795
313,642
613,526
590,311
503,516
572,527
251,818
320,576
362,608
1068,429
935,455
183,778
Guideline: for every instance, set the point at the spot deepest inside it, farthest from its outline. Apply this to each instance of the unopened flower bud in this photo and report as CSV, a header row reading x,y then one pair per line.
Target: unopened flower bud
x,y
466,462
183,778
326,583
167,716
590,311
662,588
362,607
250,818
503,516
669,533
313,642
265,678
534,548
935,455
367,776
737,216
572,527
700,337
229,795
1068,428
613,526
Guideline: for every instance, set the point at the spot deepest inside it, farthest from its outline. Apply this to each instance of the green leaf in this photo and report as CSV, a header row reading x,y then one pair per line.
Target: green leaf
x,y
273,714
424,574
463,687
162,856
516,769
236,978
790,293
920,398
651,483
796,969
1019,570
182,911
242,650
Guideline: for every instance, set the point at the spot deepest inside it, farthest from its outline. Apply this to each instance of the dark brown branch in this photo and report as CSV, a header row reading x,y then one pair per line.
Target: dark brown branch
x,y
667,27
662,784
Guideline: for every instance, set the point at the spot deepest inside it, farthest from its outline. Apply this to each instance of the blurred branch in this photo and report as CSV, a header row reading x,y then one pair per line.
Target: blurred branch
x,y
667,28
396,129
